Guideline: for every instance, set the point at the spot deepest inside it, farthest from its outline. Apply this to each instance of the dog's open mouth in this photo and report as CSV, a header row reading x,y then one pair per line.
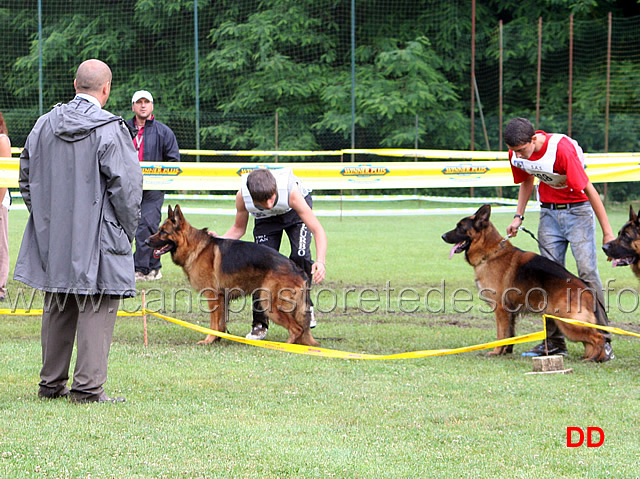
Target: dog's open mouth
x,y
164,249
459,248
624,261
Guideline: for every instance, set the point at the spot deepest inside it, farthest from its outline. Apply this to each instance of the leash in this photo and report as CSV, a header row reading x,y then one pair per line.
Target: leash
x,y
601,308
522,228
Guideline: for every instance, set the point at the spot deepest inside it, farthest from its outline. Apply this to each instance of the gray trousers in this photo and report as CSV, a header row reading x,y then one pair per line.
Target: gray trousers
x,y
92,319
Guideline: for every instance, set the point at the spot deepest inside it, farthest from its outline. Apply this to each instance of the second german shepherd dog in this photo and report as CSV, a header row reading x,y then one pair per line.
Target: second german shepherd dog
x,y
515,281
224,269
625,249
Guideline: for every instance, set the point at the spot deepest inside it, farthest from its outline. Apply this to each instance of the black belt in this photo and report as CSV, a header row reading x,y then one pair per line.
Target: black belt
x,y
562,206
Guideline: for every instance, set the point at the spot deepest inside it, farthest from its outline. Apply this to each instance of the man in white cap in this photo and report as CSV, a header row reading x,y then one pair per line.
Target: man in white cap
x,y
154,141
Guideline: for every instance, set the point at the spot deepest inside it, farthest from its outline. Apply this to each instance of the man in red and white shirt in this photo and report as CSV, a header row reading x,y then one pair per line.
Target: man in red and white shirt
x,y
568,204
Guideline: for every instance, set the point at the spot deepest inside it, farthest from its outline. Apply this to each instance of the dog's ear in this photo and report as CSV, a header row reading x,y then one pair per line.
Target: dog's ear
x,y
482,217
178,217
632,216
170,213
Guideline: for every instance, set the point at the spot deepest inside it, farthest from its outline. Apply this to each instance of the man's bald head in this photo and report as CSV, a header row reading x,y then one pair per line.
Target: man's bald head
x,y
93,77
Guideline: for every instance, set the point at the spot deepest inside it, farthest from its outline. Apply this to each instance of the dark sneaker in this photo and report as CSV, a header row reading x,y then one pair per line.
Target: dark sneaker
x,y
154,274
548,350
140,276
608,352
258,333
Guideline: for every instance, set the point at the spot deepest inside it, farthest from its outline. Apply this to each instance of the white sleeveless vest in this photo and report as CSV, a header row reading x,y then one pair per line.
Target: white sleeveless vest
x,y
285,181
543,168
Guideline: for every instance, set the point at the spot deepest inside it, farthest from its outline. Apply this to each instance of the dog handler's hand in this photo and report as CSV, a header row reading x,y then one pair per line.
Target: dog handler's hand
x,y
512,229
607,237
318,272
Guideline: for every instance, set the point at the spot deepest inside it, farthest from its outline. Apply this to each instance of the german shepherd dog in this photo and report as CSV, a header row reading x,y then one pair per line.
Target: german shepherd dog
x,y
625,249
224,269
515,281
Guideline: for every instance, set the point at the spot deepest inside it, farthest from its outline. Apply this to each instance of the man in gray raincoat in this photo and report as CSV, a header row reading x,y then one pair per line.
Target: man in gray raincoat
x,y
82,183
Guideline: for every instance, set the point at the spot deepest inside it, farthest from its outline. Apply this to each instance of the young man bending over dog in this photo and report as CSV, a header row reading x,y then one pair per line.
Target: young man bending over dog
x,y
568,200
280,202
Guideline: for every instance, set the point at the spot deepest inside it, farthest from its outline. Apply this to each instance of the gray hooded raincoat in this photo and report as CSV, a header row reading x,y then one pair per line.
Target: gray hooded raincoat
x,y
82,183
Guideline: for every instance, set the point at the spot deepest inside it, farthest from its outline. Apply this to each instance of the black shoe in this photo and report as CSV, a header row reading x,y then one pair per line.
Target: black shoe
x,y
84,399
48,393
546,350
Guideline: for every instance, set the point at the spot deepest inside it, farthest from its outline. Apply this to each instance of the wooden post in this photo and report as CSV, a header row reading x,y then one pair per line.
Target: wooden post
x,y
500,95
500,92
144,316
608,93
473,73
276,133
538,81
570,105
608,99
473,79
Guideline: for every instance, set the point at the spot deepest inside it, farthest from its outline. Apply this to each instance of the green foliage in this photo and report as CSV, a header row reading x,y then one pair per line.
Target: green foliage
x,y
396,83
293,57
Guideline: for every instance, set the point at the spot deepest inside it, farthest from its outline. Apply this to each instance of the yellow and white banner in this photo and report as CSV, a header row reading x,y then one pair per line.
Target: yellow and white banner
x,y
462,169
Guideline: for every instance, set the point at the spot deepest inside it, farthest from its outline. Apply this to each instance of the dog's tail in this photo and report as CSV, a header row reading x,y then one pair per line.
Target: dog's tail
x,y
303,315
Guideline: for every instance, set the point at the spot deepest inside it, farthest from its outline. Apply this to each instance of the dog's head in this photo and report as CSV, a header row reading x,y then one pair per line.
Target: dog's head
x,y
467,230
169,234
625,249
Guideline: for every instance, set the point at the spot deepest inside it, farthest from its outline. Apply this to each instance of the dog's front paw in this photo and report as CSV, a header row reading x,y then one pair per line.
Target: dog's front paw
x,y
209,339
499,351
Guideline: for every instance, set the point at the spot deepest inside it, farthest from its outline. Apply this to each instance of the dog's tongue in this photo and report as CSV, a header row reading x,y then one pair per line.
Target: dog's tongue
x,y
618,262
454,250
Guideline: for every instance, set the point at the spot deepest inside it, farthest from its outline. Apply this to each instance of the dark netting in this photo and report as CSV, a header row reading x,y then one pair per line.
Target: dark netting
x,y
277,74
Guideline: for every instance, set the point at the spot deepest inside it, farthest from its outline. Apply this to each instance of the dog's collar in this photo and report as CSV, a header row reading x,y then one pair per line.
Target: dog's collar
x,y
494,252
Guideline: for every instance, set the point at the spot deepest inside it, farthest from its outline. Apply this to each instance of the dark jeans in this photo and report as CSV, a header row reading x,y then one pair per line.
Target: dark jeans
x,y
268,231
150,216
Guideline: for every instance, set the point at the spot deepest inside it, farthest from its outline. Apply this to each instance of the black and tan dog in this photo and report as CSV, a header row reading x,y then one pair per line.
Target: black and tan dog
x,y
223,269
625,249
515,281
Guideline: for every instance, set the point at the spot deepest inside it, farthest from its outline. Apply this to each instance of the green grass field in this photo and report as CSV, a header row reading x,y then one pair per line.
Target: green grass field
x,y
231,410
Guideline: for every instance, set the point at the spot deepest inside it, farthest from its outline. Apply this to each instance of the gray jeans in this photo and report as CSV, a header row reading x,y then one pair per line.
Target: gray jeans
x,y
575,227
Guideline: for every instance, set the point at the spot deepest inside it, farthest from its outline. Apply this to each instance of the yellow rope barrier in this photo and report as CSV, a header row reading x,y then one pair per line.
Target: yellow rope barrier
x,y
611,329
332,353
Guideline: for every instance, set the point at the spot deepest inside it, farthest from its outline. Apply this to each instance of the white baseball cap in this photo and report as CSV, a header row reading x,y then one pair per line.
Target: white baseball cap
x,y
141,94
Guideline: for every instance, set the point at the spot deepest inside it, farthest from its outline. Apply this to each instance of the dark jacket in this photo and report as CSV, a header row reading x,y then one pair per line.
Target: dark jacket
x,y
160,143
82,183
